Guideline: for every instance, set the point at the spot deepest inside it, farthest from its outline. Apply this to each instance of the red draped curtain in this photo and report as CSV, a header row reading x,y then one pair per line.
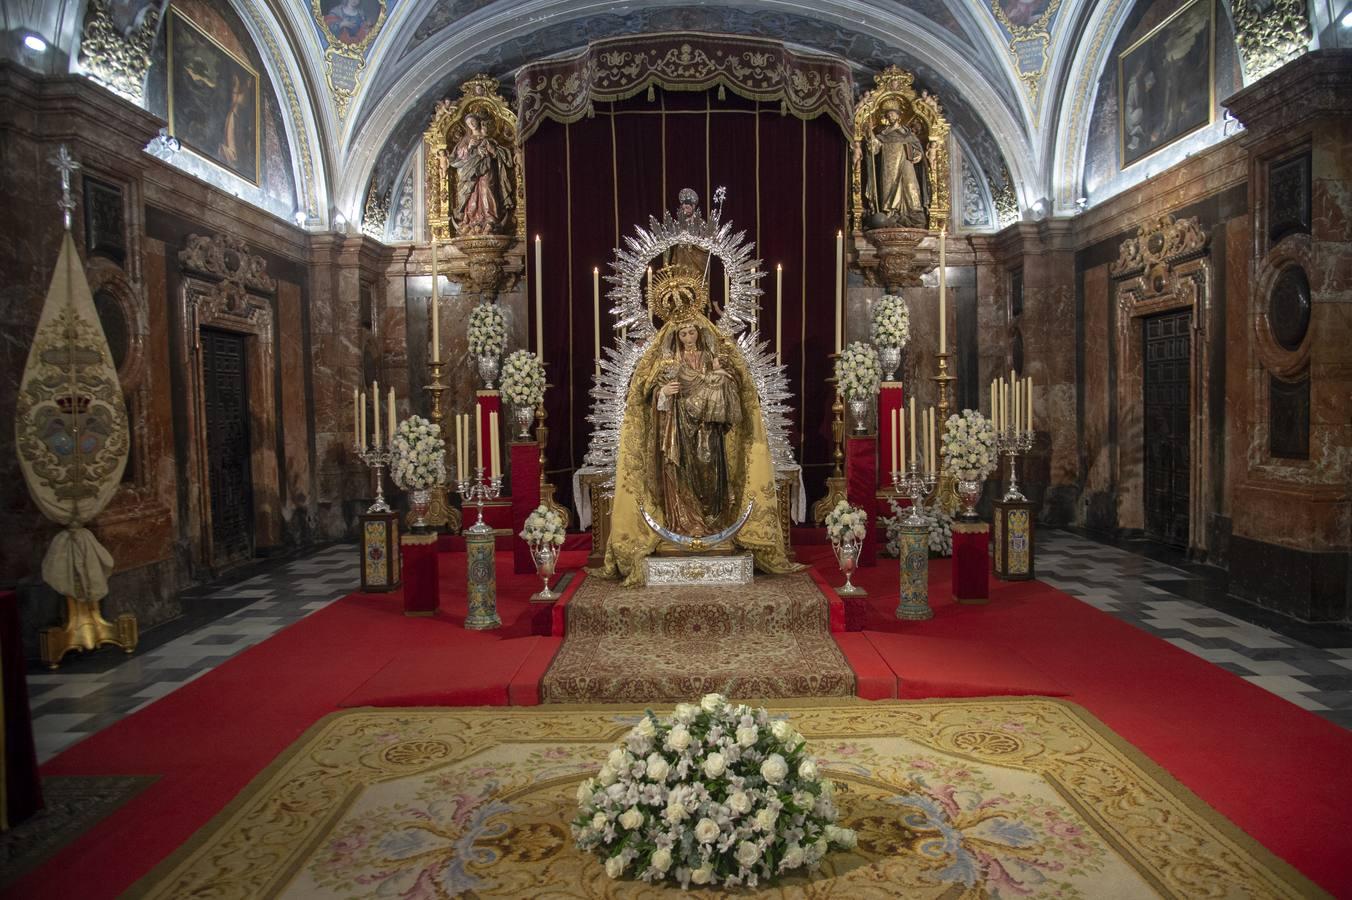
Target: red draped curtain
x,y
591,181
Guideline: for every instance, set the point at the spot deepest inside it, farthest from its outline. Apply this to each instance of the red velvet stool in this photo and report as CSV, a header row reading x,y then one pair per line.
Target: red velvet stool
x,y
421,594
971,562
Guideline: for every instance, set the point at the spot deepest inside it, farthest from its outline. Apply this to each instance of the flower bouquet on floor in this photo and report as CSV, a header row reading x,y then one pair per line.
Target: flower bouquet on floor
x,y
969,456
939,523
544,534
890,331
418,463
858,377
847,526
716,795
487,339
523,384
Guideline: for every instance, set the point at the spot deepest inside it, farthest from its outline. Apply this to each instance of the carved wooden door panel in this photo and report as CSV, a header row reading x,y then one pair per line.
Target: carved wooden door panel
x,y
228,445
1167,374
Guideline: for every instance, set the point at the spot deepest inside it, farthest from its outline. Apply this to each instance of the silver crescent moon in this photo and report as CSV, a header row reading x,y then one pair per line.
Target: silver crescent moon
x,y
684,540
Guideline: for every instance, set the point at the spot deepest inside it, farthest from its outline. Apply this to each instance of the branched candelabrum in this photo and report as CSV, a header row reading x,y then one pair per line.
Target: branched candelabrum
x,y
376,457
478,492
1012,442
916,485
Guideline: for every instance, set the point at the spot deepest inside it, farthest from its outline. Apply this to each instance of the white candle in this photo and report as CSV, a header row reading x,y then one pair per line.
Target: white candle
x,y
390,423
596,314
779,314
1018,404
727,290
479,438
943,281
459,456
899,451
924,440
436,307
892,439
1004,404
840,280
493,442
933,442
539,304
356,414
464,445
362,442
995,423
375,412
913,432
1030,402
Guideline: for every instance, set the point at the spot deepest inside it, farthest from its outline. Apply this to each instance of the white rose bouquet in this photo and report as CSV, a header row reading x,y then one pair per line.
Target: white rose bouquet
x,y
417,454
940,526
858,371
717,794
846,521
891,326
969,446
523,379
487,330
543,526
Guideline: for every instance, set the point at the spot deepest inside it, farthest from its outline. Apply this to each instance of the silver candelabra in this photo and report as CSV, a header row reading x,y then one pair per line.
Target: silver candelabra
x,y
478,492
377,458
916,485
1011,442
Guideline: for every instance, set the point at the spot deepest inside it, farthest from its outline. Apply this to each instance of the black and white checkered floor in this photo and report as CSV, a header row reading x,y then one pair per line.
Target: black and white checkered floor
x,y
1307,665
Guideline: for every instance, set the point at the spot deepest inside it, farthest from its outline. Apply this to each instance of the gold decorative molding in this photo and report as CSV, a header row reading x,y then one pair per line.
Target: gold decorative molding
x,y
479,96
115,58
895,87
1270,34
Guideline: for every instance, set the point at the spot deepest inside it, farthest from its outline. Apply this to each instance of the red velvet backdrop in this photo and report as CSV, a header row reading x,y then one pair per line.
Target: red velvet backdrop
x,y
590,182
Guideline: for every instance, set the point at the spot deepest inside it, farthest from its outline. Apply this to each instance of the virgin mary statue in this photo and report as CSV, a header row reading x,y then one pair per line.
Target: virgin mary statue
x,y
693,449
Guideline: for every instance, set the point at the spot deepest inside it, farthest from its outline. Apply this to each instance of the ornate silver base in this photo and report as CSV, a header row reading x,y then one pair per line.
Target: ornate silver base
x,y
853,590
702,570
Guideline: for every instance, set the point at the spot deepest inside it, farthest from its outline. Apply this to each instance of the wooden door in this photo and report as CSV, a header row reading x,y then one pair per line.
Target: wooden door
x,y
1167,377
228,445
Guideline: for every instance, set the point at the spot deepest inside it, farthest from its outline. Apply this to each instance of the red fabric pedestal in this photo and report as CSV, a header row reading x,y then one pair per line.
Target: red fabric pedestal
x,y
525,470
971,562
421,585
889,398
22,794
861,489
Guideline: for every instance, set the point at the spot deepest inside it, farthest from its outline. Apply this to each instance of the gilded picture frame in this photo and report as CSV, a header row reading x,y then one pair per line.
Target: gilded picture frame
x,y
215,99
1160,98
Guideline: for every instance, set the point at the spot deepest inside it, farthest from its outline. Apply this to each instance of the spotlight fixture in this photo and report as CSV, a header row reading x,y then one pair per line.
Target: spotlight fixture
x,y
35,43
299,217
1346,20
339,221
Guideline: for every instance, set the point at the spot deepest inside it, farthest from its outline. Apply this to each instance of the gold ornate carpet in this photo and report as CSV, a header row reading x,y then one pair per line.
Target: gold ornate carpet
x,y
770,638
1003,797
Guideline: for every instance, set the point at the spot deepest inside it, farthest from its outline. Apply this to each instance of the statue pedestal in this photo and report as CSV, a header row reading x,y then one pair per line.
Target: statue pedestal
x,y
525,473
971,562
421,584
698,570
861,479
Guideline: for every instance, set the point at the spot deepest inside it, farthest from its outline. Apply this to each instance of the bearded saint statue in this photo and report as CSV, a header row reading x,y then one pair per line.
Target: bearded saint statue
x,y
896,192
693,447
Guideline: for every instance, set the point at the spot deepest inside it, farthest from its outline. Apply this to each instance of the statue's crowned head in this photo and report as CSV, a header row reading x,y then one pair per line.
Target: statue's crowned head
x,y
678,294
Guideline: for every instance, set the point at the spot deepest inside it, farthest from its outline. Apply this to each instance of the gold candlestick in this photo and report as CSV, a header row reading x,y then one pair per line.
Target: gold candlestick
x,y
440,512
835,484
946,495
546,487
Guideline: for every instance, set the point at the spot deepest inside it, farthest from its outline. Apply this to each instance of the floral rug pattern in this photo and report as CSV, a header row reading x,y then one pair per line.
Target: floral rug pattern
x,y
1008,798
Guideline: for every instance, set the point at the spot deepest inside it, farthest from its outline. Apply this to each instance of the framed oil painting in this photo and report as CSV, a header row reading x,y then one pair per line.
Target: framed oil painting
x,y
1166,82
214,101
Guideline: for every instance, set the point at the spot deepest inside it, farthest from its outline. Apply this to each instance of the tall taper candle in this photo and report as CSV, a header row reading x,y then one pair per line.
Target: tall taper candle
x,y
436,308
390,423
481,461
459,455
943,281
356,414
1004,405
362,442
1017,388
933,443
924,440
779,314
596,313
539,304
995,422
375,412
892,438
493,442
900,455
840,284
913,432
464,445
1030,402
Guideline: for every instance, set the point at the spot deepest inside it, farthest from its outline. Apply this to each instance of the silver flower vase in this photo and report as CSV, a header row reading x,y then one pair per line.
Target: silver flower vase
x,y
489,366
891,359
523,416
969,493
847,556
546,557
859,409
418,500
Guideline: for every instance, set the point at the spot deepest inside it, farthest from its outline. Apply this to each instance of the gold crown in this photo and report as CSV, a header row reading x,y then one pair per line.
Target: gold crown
x,y
678,294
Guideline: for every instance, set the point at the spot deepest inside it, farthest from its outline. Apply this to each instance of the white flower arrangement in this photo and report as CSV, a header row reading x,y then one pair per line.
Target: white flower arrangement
x,y
940,526
846,521
891,326
487,330
543,526
523,379
417,454
717,794
858,371
969,446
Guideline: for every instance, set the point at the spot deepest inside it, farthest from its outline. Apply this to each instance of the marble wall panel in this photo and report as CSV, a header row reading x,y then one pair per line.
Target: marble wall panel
x,y
295,410
1097,509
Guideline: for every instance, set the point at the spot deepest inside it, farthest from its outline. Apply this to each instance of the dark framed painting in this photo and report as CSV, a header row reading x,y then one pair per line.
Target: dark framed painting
x,y
1166,82
214,102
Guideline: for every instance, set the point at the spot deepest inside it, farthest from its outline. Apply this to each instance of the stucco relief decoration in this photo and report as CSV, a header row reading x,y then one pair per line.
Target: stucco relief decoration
x,y
1027,25
348,29
1270,33
474,167
566,88
115,44
226,259
1158,245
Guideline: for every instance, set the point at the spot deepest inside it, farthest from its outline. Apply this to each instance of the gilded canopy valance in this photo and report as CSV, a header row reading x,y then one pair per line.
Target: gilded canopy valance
x,y
565,88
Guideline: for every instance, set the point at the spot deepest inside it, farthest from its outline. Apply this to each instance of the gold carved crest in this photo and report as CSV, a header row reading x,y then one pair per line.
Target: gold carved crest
x,y
474,167
893,108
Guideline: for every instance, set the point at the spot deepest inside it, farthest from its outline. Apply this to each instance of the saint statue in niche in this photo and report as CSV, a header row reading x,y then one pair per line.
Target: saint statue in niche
x,y
485,192
896,189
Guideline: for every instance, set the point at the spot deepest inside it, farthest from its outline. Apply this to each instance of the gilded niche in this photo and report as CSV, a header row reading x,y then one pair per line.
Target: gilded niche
x,y
474,166
901,162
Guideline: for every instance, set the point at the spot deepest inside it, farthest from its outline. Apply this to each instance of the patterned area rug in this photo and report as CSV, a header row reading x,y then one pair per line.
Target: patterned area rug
x,y
1002,797
633,645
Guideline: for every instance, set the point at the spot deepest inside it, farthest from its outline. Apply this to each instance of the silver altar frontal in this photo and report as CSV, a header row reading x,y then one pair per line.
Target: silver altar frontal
x,y
677,571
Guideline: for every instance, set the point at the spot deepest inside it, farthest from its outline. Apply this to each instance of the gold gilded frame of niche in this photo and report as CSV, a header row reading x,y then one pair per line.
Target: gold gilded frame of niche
x,y
894,83
1163,269
478,95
